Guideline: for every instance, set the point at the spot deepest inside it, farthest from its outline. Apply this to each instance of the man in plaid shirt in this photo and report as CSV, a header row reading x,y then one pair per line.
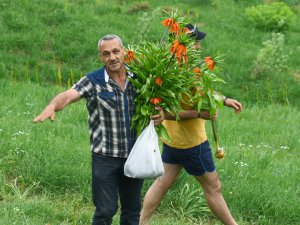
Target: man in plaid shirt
x,y
109,100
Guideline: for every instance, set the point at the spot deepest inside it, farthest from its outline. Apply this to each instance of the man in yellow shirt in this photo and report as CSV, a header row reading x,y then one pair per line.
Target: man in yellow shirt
x,y
190,149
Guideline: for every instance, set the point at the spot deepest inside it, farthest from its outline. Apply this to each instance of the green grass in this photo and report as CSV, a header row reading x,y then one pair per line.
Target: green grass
x,y
45,168
50,163
38,38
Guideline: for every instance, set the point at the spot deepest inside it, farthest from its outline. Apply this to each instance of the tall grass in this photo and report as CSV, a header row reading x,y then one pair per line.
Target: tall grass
x,y
259,173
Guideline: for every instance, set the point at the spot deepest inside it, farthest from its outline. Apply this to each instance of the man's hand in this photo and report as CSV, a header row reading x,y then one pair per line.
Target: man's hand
x,y
49,112
237,106
58,103
158,118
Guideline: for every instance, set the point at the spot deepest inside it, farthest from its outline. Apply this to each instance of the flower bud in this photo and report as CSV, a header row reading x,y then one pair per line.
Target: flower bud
x,y
220,153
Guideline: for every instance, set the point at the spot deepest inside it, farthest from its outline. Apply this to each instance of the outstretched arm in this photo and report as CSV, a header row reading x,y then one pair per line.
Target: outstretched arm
x,y
59,102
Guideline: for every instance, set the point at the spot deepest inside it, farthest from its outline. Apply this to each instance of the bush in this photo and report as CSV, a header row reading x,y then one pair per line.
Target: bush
x,y
276,16
271,58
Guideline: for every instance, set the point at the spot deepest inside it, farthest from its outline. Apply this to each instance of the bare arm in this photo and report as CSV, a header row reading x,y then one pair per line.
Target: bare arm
x,y
191,114
229,102
59,102
236,105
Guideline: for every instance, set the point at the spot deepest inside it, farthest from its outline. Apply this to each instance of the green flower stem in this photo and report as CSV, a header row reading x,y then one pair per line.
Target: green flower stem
x,y
171,60
163,37
162,132
214,128
213,122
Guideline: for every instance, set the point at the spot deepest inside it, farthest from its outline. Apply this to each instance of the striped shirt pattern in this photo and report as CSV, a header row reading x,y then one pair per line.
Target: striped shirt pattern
x,y
110,112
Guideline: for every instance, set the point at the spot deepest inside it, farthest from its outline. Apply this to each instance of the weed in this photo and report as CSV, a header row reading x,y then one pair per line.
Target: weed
x,y
18,193
189,202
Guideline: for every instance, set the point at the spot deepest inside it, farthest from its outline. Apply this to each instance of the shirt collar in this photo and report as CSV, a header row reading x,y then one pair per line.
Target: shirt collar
x,y
106,77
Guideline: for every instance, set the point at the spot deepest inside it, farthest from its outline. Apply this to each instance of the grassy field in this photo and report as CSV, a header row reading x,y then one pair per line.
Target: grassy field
x,y
56,41
45,168
45,171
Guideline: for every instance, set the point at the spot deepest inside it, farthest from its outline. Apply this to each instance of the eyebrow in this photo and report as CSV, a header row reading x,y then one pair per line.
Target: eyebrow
x,y
115,49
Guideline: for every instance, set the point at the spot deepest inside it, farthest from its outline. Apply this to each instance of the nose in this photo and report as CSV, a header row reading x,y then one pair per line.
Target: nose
x,y
112,57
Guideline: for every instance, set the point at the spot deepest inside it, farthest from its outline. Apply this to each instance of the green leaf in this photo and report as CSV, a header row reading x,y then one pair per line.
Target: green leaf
x,y
145,110
162,132
218,100
211,102
199,105
135,83
218,79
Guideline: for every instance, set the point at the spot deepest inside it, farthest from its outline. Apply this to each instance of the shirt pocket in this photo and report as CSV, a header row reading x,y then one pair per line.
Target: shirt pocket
x,y
107,100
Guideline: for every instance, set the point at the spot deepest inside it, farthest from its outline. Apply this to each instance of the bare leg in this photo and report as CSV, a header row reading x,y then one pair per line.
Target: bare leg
x,y
212,191
157,191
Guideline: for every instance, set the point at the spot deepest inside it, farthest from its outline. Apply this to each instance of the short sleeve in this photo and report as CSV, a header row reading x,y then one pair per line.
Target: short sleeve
x,y
84,87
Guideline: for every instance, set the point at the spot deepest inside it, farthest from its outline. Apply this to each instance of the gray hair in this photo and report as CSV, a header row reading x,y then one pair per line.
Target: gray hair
x,y
110,37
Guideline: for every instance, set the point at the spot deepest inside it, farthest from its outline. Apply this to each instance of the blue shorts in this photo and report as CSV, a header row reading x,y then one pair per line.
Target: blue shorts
x,y
196,160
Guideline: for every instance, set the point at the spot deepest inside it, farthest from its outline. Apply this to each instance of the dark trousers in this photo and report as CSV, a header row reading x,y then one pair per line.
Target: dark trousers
x,y
109,181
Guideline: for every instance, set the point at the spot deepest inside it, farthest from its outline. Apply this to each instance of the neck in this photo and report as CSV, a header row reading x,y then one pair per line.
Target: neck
x,y
118,76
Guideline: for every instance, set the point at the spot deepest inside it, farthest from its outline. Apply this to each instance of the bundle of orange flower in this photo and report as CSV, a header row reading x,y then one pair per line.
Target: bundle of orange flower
x,y
167,73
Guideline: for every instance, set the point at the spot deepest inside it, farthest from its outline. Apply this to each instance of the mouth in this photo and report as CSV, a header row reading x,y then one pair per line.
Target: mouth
x,y
114,63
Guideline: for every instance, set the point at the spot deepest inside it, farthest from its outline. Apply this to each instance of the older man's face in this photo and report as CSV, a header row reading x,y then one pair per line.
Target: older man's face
x,y
112,54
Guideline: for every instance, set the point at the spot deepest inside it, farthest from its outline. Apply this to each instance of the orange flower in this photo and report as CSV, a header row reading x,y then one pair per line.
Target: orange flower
x,y
198,73
207,58
175,28
130,56
155,101
210,63
158,81
168,22
174,46
197,70
178,49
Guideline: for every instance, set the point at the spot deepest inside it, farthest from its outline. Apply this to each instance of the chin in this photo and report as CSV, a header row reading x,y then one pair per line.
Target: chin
x,y
115,67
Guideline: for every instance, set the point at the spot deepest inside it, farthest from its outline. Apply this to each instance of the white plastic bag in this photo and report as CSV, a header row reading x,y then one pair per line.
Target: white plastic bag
x,y
144,160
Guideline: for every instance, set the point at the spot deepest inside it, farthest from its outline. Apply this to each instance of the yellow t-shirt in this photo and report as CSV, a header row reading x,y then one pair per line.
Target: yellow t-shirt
x,y
185,133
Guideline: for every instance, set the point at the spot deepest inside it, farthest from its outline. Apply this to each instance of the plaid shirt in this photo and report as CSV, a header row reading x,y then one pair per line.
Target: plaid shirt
x,y
110,112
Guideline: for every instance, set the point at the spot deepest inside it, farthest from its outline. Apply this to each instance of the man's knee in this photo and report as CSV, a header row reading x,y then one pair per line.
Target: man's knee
x,y
104,215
